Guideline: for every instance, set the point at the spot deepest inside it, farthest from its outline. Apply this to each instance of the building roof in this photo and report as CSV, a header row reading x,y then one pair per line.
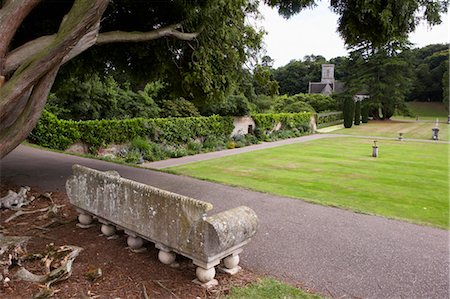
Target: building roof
x,y
319,87
316,87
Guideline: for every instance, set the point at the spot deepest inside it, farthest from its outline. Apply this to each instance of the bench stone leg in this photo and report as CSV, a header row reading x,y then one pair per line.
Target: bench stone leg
x,y
85,220
135,244
205,277
108,230
167,257
231,264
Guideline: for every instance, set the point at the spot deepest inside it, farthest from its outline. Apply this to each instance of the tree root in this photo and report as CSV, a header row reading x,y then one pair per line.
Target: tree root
x,y
51,211
61,273
14,201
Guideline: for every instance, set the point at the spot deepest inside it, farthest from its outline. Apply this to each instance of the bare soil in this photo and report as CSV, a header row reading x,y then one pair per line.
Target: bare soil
x,y
125,274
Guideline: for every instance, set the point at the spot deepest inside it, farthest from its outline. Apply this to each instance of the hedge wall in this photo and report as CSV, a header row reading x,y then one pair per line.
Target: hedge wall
x,y
329,118
59,134
265,123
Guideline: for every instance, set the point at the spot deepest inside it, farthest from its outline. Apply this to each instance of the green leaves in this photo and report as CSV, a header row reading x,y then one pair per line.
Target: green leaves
x,y
373,24
59,134
266,123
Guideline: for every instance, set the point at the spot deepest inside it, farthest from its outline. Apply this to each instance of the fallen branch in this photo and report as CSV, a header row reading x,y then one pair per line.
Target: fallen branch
x,y
13,248
61,273
20,213
52,209
14,201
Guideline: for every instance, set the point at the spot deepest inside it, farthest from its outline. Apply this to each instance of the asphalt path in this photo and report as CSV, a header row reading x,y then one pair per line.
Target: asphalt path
x,y
336,252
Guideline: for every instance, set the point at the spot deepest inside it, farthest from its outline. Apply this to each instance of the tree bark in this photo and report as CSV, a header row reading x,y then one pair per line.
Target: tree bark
x,y
24,122
33,66
16,57
23,97
11,16
136,36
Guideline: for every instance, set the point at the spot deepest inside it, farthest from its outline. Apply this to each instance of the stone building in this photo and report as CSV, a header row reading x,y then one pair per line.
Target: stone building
x,y
327,84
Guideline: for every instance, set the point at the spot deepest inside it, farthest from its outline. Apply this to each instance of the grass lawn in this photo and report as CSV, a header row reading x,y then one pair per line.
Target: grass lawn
x,y
426,111
408,181
391,128
269,289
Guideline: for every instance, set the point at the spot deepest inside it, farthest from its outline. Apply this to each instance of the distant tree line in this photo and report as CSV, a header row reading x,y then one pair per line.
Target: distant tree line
x,y
427,68
391,75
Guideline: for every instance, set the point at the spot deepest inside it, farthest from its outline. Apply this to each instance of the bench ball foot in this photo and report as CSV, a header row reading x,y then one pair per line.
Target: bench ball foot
x,y
205,275
231,261
108,230
85,219
166,258
135,242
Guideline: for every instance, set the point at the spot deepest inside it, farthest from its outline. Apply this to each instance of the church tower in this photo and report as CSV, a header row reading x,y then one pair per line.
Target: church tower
x,y
327,73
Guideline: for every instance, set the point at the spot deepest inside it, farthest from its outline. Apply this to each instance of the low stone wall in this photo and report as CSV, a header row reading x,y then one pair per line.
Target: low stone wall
x,y
242,124
175,223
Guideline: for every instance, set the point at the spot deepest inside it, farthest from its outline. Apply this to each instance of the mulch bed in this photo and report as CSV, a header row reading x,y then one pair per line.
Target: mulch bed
x,y
124,274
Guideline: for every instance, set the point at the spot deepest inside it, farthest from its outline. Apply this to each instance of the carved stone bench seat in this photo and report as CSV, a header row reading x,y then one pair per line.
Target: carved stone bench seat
x,y
175,223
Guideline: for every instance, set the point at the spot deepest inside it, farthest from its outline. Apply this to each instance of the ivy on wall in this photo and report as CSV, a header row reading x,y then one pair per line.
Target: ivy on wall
x,y
59,134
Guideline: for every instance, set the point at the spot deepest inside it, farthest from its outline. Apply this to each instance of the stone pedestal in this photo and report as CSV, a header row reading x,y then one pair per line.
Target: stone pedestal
x,y
435,135
375,151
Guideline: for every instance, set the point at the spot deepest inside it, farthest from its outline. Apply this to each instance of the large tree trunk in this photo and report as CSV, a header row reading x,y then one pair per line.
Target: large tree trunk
x,y
23,96
32,67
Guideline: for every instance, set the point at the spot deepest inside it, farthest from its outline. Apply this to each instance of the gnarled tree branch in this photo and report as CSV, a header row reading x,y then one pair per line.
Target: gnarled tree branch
x,y
37,73
137,36
19,55
11,16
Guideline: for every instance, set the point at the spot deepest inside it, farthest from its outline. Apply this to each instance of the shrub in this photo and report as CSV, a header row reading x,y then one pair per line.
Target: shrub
x,y
194,147
305,102
243,140
262,103
357,113
234,105
349,110
329,118
294,104
178,108
266,123
176,151
212,143
140,144
92,96
365,112
320,102
231,144
133,156
149,151
156,139
54,133
59,134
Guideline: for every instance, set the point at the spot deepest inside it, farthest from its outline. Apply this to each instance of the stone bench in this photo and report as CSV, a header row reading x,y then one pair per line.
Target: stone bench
x,y
175,223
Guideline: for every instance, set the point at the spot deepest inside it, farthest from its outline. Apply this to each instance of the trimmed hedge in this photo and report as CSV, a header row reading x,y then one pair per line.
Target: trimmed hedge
x,y
365,113
349,111
357,113
329,118
297,123
59,134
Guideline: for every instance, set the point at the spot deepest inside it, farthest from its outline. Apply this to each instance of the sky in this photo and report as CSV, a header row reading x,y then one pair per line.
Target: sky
x,y
313,31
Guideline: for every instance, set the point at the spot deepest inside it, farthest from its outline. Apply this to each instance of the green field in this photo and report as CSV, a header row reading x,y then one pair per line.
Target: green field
x,y
391,128
408,181
427,110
